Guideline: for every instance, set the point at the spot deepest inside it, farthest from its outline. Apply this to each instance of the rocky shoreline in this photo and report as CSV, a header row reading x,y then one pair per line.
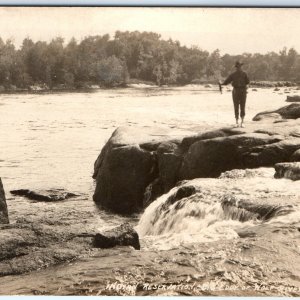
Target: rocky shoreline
x,y
134,168
86,88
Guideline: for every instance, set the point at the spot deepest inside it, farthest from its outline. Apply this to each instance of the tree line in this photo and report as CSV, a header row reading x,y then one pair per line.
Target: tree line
x,y
142,56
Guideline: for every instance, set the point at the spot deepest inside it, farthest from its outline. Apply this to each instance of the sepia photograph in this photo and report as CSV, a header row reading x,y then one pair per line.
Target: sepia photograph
x,y
149,151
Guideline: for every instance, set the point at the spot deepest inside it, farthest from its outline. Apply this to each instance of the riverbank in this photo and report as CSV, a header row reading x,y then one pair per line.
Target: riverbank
x,y
133,83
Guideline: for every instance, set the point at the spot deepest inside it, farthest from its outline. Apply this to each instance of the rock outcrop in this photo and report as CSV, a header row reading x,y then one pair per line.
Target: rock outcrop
x,y
273,84
291,111
123,235
288,170
136,166
3,206
45,196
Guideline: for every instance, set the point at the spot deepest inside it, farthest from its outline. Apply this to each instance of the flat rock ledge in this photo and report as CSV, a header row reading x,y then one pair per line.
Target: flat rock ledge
x,y
3,206
44,196
138,165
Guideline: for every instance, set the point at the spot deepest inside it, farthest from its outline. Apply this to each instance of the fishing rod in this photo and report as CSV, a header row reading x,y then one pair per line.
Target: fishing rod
x,y
220,86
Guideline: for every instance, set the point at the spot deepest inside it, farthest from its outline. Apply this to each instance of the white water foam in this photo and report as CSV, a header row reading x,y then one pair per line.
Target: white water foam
x,y
205,217
196,222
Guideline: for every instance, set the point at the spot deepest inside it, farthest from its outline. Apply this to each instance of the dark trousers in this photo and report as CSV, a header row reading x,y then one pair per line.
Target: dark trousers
x,y
239,96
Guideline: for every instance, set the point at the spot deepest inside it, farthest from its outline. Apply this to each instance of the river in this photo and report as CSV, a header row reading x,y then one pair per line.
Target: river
x,y
50,141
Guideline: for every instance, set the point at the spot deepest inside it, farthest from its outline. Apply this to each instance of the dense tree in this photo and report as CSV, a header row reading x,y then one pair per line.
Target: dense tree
x,y
107,61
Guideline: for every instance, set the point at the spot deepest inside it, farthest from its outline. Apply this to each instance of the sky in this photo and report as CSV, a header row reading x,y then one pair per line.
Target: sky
x,y
231,30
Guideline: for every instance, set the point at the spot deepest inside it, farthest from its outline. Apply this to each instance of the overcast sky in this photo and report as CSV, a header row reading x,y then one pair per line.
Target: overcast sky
x,y
232,30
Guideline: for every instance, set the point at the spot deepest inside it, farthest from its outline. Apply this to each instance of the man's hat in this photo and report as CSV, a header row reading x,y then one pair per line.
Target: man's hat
x,y
238,64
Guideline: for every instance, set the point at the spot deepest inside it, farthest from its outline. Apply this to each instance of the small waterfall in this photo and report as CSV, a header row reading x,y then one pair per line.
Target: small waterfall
x,y
190,213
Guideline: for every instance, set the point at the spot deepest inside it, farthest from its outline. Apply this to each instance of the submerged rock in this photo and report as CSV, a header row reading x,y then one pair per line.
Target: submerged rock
x,y
123,235
288,170
47,196
3,206
295,98
245,210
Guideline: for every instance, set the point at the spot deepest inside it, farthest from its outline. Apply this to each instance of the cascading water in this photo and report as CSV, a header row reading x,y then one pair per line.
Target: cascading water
x,y
205,210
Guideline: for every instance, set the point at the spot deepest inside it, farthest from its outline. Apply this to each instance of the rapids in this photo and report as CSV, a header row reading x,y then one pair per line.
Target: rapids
x,y
204,210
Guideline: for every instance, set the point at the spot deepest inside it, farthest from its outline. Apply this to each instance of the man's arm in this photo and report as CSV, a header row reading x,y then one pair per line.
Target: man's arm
x,y
227,80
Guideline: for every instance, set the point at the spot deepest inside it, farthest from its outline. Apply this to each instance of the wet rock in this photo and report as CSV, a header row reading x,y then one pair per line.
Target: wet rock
x,y
123,235
295,156
291,111
122,179
153,191
245,233
288,170
276,152
46,196
267,116
244,210
3,206
295,98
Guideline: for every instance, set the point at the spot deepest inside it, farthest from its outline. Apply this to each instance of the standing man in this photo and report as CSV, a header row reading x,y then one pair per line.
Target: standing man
x,y
239,80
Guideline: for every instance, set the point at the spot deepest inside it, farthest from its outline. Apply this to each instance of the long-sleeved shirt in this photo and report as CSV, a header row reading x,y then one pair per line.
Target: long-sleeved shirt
x,y
238,79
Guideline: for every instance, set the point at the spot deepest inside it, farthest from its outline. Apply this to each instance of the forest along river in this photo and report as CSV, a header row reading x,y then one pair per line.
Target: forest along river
x,y
50,141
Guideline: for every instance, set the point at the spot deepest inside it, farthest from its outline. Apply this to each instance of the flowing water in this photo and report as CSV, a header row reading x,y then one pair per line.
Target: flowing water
x,y
218,208
50,141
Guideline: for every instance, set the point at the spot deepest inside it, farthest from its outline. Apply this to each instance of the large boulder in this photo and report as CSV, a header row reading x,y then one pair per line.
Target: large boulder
x,y
123,235
211,157
288,170
122,178
3,206
127,165
138,165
